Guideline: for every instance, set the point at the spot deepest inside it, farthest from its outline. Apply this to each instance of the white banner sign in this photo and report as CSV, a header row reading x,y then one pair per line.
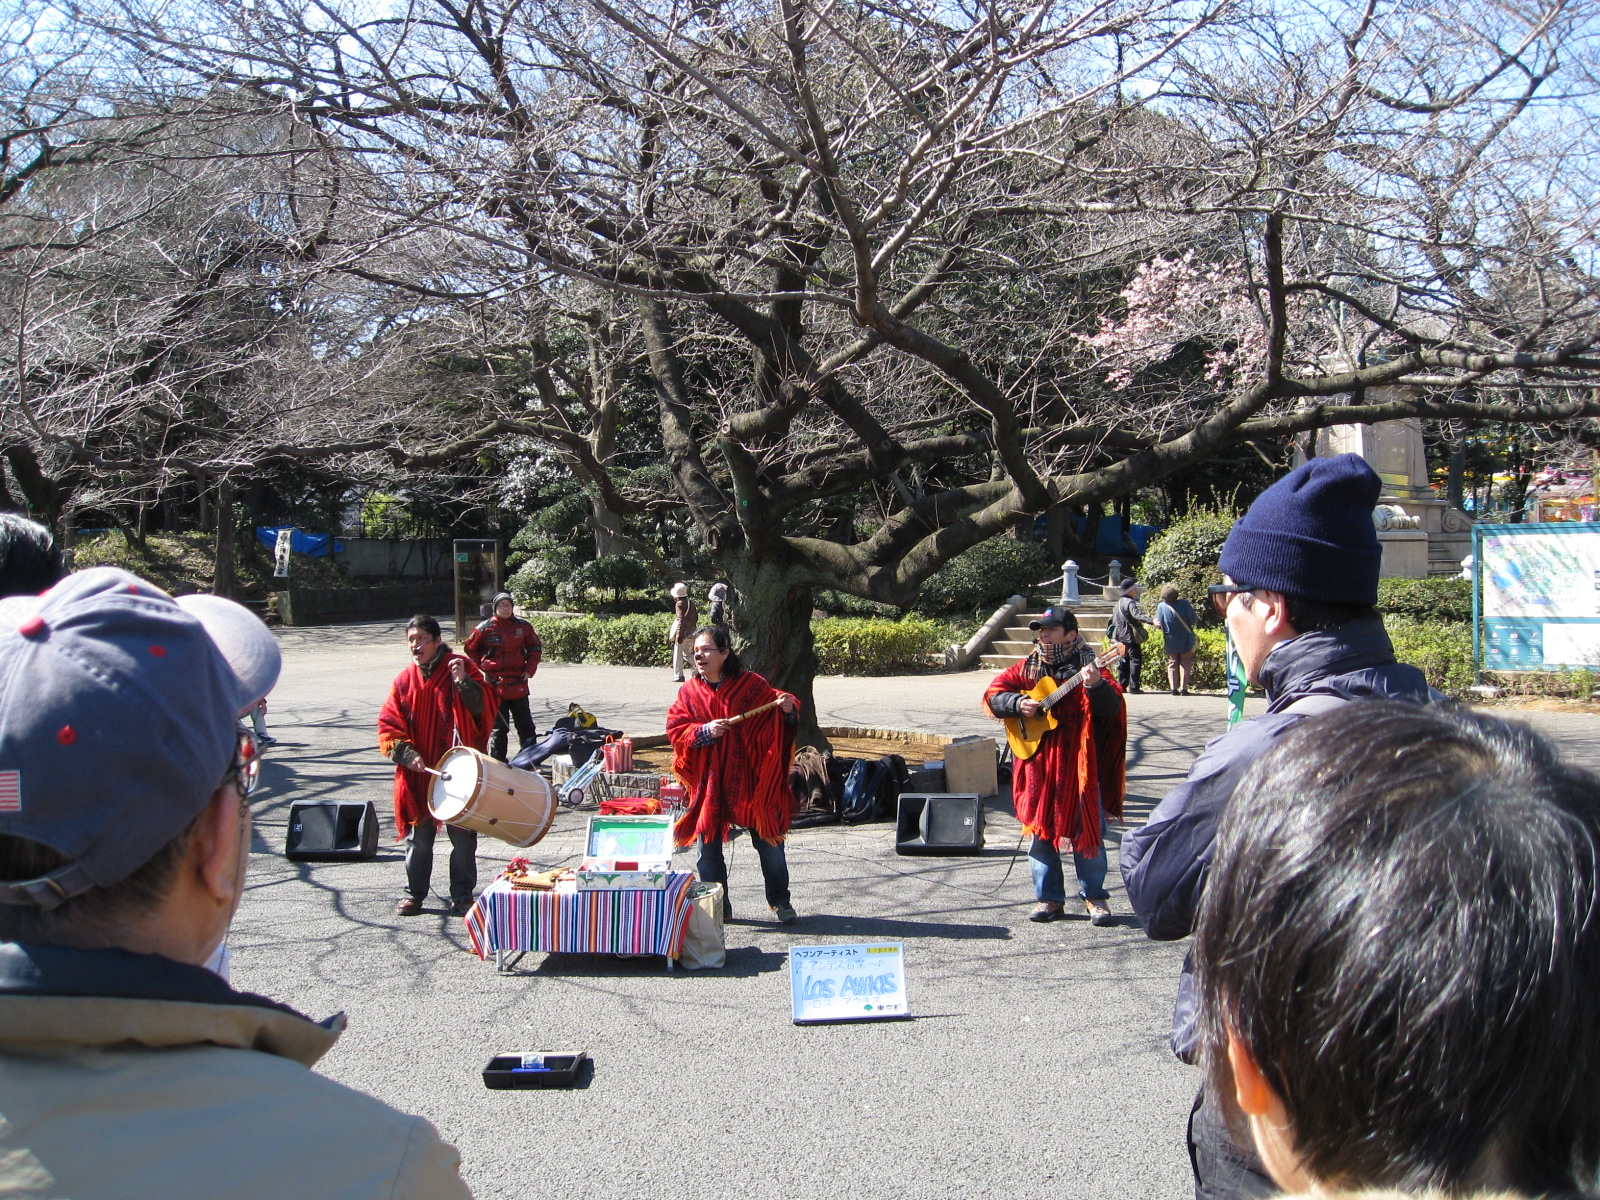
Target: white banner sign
x,y
862,982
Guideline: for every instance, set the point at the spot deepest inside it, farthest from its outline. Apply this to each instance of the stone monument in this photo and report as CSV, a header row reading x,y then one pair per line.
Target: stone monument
x,y
1420,534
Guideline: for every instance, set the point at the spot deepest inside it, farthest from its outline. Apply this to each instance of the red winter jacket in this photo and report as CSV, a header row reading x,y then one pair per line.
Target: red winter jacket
x,y
508,650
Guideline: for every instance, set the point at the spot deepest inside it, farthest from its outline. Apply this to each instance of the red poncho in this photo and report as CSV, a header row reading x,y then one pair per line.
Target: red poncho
x,y
1077,771
742,778
431,715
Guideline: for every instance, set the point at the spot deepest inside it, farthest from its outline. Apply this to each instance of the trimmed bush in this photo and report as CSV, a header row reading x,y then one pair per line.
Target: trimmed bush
x,y
1443,651
872,646
1447,600
637,640
1185,555
979,580
843,604
566,639
610,573
534,583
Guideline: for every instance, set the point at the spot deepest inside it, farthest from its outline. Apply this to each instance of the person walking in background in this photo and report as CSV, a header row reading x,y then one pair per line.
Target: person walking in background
x,y
685,620
1175,619
1398,957
1065,790
1127,626
258,723
736,771
440,699
718,596
507,649
30,560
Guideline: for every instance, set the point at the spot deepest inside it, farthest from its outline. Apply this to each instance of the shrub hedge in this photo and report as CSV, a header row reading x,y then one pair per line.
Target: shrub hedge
x,y
1448,600
1185,555
979,580
636,640
566,639
871,646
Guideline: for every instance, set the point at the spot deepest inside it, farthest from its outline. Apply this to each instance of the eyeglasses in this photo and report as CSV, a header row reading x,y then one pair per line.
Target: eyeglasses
x,y
246,766
1222,595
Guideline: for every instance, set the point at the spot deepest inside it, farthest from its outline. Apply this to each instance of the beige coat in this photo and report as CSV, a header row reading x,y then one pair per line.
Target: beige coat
x,y
103,1098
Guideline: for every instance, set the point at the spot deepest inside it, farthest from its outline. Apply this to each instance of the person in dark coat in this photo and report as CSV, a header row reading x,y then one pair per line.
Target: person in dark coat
x,y
1299,590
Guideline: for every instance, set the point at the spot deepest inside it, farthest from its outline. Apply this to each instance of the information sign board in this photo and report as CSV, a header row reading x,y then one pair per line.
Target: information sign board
x,y
1538,596
861,982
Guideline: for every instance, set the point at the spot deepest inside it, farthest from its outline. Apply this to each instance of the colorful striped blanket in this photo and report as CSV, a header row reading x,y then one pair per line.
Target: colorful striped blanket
x,y
623,922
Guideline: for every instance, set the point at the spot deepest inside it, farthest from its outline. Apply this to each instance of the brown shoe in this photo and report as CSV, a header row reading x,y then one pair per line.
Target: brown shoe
x,y
1045,911
461,907
1099,914
408,907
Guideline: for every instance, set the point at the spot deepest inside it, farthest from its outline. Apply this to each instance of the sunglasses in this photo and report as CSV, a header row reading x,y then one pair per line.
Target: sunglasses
x,y
246,766
1222,595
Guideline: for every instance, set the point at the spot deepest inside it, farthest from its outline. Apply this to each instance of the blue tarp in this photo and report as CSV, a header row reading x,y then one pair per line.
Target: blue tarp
x,y
314,545
1110,540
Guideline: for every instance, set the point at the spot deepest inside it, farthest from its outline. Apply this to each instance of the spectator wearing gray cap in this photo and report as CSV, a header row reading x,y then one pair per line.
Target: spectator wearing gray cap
x,y
1298,592
126,1067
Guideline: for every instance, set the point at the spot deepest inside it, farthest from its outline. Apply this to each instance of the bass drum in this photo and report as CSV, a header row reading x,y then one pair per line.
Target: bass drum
x,y
474,791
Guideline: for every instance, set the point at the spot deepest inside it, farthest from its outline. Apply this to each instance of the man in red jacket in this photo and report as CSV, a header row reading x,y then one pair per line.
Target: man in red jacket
x,y
508,650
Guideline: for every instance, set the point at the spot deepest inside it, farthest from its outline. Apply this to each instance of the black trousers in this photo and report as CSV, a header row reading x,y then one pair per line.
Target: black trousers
x,y
1223,1169
511,710
419,861
1128,668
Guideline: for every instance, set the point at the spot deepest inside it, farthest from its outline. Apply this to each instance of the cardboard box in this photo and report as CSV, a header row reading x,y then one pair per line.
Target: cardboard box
x,y
971,765
626,853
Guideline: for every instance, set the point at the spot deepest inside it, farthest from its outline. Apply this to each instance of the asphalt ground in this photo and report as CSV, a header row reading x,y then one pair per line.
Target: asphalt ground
x,y
1035,1062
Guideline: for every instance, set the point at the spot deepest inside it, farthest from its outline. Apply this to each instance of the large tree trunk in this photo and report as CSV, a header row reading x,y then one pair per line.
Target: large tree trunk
x,y
773,617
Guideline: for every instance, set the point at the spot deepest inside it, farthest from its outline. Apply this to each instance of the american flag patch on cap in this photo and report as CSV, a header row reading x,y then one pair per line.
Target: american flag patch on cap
x,y
10,791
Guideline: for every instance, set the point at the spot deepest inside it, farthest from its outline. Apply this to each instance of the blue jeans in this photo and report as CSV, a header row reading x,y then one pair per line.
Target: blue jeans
x,y
713,867
1048,882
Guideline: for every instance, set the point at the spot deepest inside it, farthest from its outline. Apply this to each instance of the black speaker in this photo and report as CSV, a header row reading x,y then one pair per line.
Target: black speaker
x,y
939,823
330,831
929,777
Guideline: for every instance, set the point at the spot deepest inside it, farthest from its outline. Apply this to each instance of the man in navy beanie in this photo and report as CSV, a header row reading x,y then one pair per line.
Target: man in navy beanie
x,y
1298,592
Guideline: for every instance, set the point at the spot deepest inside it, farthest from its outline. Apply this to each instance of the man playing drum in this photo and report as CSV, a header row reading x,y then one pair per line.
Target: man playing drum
x,y
442,699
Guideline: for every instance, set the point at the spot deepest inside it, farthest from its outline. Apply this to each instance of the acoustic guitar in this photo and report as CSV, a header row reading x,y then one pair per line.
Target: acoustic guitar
x,y
1025,733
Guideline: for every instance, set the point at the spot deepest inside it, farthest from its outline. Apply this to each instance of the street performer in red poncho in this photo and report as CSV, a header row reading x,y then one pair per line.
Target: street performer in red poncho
x,y
1075,780
736,772
440,699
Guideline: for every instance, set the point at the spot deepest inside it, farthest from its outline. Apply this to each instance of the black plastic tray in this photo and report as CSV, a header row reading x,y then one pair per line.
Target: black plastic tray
x,y
559,1069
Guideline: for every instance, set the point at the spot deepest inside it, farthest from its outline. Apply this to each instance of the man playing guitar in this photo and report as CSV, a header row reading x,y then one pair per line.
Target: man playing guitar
x,y
1074,777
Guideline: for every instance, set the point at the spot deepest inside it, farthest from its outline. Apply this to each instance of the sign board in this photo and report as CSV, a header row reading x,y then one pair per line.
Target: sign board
x,y
280,553
1537,598
861,982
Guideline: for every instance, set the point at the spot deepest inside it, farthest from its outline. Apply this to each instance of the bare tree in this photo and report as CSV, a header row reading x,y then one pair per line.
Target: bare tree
x,y
867,242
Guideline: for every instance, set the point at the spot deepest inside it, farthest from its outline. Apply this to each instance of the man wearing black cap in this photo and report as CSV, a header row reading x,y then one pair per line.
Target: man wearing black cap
x,y
126,1067
1299,589
508,650
1066,788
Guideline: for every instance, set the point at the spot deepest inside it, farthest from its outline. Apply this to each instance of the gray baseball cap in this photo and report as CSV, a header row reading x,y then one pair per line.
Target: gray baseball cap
x,y
118,720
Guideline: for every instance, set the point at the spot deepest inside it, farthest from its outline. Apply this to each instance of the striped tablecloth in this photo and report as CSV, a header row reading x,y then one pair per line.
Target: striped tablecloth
x,y
650,921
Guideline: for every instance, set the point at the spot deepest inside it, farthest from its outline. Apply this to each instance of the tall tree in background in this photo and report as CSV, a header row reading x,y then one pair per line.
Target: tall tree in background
x,y
878,246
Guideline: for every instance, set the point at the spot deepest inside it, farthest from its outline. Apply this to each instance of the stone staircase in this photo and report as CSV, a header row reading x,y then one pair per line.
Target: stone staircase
x,y
1016,640
1444,557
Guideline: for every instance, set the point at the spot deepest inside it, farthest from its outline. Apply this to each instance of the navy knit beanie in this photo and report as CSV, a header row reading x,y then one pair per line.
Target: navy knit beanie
x,y
1311,534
